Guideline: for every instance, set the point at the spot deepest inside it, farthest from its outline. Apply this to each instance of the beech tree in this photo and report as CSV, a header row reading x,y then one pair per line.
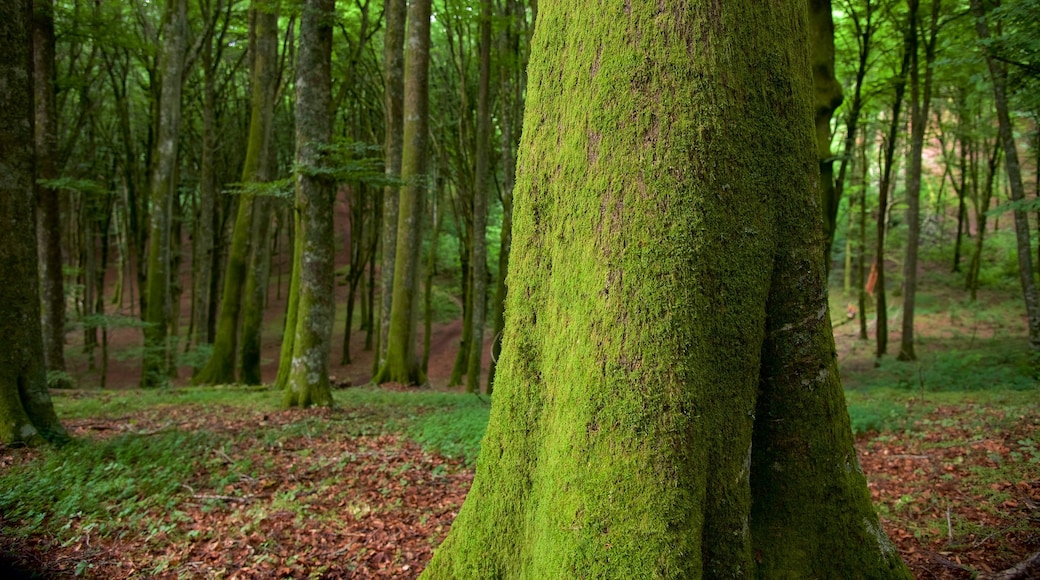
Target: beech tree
x,y
26,412
221,365
308,382
667,402
402,360
163,189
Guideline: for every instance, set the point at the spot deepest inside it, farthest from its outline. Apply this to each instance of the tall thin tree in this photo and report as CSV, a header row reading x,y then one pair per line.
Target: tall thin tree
x,y
402,361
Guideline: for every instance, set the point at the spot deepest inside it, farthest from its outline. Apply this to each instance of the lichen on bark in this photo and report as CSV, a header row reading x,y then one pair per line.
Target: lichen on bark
x,y
667,402
308,382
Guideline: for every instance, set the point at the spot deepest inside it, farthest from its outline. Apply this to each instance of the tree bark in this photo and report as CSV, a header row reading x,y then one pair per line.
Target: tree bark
x,y
393,94
26,412
478,259
668,403
220,369
920,102
163,188
49,226
315,196
402,361
883,190
998,74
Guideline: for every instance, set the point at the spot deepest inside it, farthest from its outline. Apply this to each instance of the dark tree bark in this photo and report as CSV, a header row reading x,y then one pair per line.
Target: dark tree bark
x,y
308,382
49,226
668,401
26,412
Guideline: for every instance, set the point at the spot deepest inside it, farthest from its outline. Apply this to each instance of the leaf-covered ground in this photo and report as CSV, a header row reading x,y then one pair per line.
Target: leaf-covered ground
x,y
231,491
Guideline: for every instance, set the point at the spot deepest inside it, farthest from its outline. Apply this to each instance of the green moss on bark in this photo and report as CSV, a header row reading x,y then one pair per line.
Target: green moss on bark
x,y
665,204
308,382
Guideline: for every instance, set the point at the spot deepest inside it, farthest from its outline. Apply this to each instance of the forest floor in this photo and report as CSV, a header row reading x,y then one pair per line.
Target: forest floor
x,y
219,482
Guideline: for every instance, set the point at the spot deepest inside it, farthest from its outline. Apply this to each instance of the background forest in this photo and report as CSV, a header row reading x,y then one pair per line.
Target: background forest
x,y
170,220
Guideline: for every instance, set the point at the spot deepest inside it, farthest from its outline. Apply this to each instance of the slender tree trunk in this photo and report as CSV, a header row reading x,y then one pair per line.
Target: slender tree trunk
x,y
883,191
291,309
431,271
920,101
402,362
478,259
982,203
163,186
26,412
668,403
205,246
315,197
998,74
393,61
864,172
49,227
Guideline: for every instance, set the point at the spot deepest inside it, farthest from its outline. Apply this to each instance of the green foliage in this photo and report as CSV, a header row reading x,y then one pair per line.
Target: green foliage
x,y
454,433
109,485
993,365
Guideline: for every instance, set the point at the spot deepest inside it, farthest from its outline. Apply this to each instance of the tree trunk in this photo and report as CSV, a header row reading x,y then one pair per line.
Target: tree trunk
x,y
220,369
827,97
998,74
883,191
265,88
982,201
668,401
393,60
315,196
204,244
478,259
920,102
402,362
163,188
431,270
26,412
49,227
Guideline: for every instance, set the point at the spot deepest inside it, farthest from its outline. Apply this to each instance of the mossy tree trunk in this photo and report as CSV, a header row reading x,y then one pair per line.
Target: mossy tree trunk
x,y
393,95
668,403
163,189
49,227
265,88
26,412
998,75
220,369
315,194
402,361
481,187
827,97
